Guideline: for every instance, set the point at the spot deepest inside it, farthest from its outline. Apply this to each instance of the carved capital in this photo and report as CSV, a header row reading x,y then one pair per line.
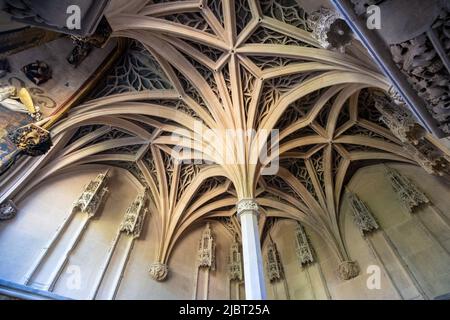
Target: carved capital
x,y
348,270
158,271
247,205
7,210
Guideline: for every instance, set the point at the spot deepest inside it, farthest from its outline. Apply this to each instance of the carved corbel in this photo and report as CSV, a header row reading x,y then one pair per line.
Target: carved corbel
x,y
8,210
348,270
158,271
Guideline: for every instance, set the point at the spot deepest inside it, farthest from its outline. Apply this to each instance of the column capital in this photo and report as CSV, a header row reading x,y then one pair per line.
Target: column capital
x,y
247,205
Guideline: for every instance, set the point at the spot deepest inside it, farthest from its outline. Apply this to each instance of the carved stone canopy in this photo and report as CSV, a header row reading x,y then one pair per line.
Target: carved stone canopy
x,y
93,194
273,262
302,246
134,217
207,249
407,192
235,266
362,216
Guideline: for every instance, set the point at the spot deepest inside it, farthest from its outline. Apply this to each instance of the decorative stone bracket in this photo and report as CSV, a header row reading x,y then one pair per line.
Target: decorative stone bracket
x,y
8,210
158,271
348,270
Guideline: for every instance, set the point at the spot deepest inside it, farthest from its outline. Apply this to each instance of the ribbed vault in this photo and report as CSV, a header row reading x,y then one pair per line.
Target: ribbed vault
x,y
212,66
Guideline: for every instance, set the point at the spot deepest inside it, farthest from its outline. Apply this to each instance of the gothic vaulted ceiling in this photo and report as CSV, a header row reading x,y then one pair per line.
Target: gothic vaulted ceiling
x,y
196,70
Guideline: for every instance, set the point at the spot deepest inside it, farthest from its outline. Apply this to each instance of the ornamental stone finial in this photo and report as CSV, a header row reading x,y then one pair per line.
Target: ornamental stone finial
x,y
246,205
158,271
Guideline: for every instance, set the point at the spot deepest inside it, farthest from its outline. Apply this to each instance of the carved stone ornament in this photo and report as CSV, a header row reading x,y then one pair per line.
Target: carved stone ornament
x,y
246,205
408,194
158,271
361,215
274,266
134,217
235,267
348,270
302,247
207,249
31,140
93,195
7,210
398,119
421,64
330,29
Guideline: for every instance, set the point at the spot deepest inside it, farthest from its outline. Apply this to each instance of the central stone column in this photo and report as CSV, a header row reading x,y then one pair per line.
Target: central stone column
x,y
247,211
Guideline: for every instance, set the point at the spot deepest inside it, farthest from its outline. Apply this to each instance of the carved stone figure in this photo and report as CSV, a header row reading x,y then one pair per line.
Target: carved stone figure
x,y
408,194
158,271
134,217
348,270
302,247
7,210
207,249
93,194
31,140
361,214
